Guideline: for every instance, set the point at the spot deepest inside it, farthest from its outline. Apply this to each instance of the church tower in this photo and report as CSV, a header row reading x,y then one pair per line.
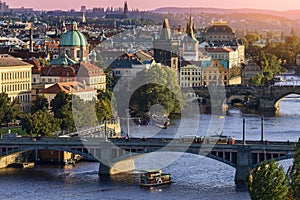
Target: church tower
x,y
165,48
190,43
125,10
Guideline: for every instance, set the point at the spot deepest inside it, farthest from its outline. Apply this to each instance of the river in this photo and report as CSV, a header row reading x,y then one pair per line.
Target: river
x,y
195,177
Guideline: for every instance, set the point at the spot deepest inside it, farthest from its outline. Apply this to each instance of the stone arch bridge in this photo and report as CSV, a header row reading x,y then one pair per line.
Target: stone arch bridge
x,y
264,97
116,155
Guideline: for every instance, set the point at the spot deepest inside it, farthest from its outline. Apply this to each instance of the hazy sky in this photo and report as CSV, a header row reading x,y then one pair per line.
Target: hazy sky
x,y
152,4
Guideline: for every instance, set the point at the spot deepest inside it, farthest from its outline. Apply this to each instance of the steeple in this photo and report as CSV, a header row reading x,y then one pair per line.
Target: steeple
x,y
83,17
190,28
166,31
125,9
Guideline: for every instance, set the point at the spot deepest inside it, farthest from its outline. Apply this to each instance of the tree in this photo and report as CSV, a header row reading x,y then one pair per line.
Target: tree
x,y
40,123
66,116
160,87
84,113
62,109
268,181
251,38
104,105
60,100
256,80
4,106
271,66
294,174
41,103
9,111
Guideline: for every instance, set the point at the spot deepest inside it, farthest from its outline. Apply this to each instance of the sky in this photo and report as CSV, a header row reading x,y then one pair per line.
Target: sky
x,y
152,4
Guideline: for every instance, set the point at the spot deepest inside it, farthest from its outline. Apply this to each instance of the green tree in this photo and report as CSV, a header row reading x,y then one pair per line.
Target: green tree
x,y
9,111
84,113
271,66
61,107
251,38
60,100
4,107
294,174
40,123
104,105
256,80
66,116
40,103
268,181
160,87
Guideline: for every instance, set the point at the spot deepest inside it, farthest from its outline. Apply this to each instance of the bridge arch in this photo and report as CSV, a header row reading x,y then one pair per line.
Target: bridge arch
x,y
141,153
279,98
70,150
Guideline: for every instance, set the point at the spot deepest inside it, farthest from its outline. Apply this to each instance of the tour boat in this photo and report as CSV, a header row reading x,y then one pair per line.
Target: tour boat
x,y
154,178
161,121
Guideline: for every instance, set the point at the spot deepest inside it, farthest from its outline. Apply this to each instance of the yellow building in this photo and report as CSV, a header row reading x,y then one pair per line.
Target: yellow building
x,y
16,80
215,72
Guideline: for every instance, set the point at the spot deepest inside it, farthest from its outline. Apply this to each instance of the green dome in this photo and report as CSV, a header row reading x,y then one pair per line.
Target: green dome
x,y
73,37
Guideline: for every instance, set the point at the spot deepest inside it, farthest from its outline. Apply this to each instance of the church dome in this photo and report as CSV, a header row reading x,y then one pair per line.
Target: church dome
x,y
73,37
219,27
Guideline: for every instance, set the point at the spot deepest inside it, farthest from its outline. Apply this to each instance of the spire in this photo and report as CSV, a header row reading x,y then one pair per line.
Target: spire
x,y
83,17
125,9
190,28
166,31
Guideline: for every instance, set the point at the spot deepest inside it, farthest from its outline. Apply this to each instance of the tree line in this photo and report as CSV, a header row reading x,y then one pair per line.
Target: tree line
x,y
272,57
67,113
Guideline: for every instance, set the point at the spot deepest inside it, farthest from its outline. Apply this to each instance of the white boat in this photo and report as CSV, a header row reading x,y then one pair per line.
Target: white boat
x,y
154,178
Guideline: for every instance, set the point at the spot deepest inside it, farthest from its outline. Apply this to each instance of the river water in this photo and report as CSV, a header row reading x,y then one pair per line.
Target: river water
x,y
195,177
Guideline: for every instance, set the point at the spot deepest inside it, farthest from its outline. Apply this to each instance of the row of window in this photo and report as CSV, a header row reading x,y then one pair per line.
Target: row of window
x,y
198,78
23,98
210,77
190,73
100,79
218,56
50,80
16,87
16,75
190,84
210,72
220,36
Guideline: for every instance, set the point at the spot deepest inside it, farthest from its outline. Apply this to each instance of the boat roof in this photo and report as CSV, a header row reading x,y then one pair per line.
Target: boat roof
x,y
153,171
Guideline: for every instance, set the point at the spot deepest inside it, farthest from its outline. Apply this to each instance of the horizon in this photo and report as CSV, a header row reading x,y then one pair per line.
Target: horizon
x,y
275,5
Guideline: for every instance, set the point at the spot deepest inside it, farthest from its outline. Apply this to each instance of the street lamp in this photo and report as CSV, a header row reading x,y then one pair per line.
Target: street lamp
x,y
128,117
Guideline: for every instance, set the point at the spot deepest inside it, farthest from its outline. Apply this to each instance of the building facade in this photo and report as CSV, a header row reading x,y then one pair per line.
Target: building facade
x,y
215,72
16,80
190,75
250,69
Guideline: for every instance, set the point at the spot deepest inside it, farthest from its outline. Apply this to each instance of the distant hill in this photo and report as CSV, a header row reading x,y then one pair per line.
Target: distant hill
x,y
290,14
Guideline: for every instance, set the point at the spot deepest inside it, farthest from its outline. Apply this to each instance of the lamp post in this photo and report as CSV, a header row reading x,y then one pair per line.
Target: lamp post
x,y
105,132
128,117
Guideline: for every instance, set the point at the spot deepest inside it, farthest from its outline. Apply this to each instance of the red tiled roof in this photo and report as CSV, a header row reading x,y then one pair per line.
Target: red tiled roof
x,y
67,87
219,49
62,71
89,70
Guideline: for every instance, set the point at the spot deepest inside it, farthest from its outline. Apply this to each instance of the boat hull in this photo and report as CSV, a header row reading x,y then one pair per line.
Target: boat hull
x,y
155,184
